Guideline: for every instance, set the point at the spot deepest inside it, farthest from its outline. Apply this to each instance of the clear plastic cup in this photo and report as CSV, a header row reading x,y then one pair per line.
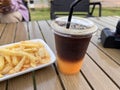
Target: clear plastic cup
x,y
71,44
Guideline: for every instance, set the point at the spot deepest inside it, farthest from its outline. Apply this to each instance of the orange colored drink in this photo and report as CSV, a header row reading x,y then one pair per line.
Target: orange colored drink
x,y
67,67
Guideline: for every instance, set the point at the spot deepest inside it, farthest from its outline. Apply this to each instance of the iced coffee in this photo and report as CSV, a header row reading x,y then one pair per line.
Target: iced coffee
x,y
72,43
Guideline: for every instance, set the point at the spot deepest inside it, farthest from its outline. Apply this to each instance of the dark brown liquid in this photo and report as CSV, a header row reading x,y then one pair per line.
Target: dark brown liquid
x,y
71,48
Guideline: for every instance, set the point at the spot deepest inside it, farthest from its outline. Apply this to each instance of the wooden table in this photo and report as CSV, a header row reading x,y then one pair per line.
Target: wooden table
x,y
100,70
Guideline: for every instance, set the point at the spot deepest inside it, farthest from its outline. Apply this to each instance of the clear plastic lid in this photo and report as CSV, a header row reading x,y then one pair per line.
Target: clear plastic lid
x,y
78,26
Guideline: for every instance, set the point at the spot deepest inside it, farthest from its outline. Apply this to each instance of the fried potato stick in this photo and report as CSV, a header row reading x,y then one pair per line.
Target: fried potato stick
x,y
2,62
14,60
6,69
7,58
4,52
20,64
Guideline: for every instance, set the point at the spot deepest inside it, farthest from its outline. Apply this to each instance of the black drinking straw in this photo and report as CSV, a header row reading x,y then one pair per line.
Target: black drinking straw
x,y
71,12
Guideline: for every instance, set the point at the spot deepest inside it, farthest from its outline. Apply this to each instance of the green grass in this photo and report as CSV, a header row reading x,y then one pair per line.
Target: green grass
x,y
44,14
40,14
109,12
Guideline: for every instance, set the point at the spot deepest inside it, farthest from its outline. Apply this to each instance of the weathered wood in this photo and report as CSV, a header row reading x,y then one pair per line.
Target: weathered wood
x,y
110,22
96,76
21,32
106,63
48,34
3,85
109,64
8,34
113,21
118,17
74,82
2,26
45,77
100,70
104,24
34,30
113,53
24,82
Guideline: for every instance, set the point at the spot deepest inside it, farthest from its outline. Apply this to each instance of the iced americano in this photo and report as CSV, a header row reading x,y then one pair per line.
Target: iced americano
x,y
71,44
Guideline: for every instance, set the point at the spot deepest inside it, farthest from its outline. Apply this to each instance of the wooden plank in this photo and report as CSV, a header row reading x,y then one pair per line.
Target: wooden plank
x,y
112,20
118,17
3,85
109,22
96,76
67,81
46,31
2,26
34,30
23,82
48,34
21,32
8,34
102,23
74,82
46,76
113,53
108,65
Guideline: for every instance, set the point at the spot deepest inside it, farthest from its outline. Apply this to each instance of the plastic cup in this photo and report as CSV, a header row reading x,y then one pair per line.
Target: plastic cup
x,y
71,44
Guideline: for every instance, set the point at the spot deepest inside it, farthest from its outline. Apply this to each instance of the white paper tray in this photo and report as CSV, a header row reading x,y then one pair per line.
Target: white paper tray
x,y
52,60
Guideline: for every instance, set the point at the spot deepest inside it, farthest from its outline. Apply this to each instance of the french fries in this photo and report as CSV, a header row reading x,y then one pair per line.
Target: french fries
x,y
2,62
21,56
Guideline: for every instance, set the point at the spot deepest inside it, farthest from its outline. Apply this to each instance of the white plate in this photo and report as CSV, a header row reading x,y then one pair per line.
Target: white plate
x,y
52,60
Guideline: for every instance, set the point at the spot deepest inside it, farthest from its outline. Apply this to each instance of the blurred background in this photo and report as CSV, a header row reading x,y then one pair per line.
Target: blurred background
x,y
40,9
